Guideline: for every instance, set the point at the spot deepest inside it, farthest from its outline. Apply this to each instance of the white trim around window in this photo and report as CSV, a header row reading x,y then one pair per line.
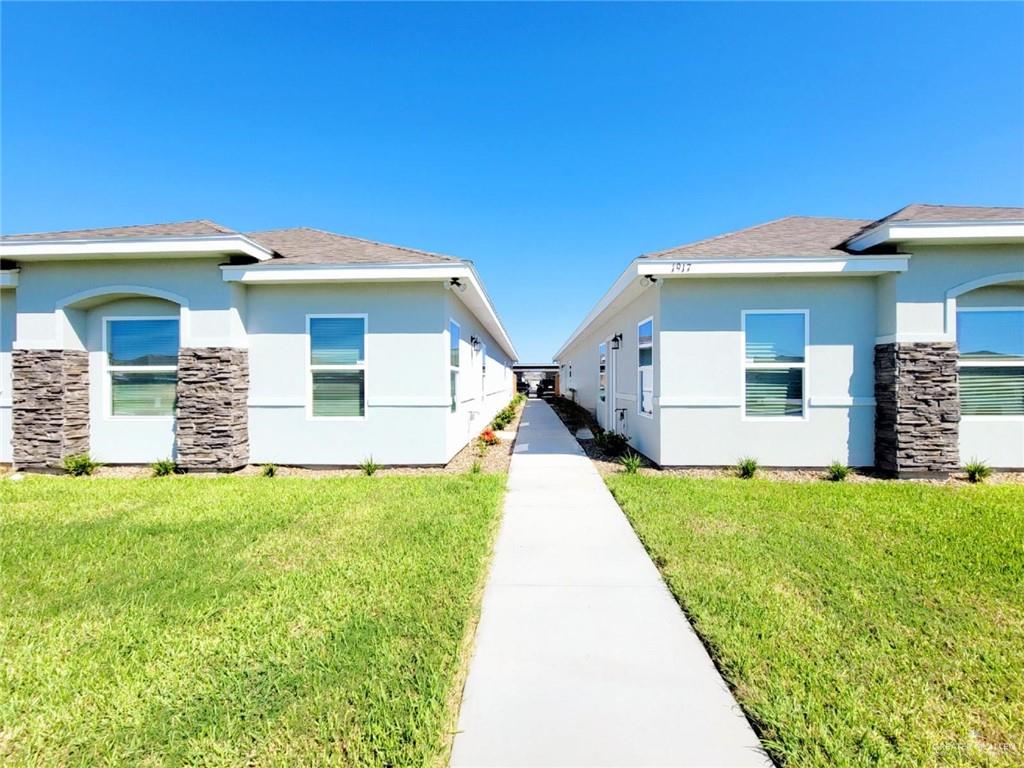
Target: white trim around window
x,y
640,400
746,365
358,366
110,370
981,362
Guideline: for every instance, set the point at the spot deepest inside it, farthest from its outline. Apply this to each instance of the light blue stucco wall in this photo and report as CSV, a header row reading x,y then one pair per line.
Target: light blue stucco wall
x,y
407,417
702,375
8,298
582,355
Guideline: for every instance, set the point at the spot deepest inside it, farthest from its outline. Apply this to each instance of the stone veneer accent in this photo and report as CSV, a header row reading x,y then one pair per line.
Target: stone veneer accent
x,y
917,409
212,429
50,406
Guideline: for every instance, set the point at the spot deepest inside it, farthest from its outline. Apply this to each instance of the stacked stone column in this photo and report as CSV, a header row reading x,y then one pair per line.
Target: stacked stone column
x,y
917,411
212,429
50,406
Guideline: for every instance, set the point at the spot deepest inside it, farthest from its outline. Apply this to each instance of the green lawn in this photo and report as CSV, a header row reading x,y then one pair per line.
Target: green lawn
x,y
859,625
237,621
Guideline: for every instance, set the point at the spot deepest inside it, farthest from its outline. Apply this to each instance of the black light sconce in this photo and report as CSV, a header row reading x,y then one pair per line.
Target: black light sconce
x,y
475,343
616,341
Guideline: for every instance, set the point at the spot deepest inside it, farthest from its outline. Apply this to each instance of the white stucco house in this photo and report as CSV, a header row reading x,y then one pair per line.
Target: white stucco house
x,y
220,348
896,343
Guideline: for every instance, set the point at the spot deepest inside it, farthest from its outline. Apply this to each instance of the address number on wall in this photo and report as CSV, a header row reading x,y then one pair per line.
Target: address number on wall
x,y
681,266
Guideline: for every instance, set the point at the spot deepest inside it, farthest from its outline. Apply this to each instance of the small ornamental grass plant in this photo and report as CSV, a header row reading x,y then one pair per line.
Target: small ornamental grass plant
x,y
631,462
977,471
164,467
80,465
269,470
746,467
837,472
369,467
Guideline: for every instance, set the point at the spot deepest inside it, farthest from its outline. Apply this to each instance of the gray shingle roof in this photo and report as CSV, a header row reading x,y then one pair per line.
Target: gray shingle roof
x,y
926,212
811,236
303,245
802,236
196,228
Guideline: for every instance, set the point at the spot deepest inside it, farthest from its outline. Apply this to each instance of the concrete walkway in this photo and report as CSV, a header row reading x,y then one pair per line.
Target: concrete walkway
x,y
582,656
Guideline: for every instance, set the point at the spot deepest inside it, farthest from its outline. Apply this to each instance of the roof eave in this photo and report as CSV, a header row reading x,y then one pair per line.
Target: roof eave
x,y
938,232
190,246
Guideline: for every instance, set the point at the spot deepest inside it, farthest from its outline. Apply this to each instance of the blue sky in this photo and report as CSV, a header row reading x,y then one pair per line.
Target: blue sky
x,y
549,143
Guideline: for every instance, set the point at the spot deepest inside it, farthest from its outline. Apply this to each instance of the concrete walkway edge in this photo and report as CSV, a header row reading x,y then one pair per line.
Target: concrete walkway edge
x,y
582,656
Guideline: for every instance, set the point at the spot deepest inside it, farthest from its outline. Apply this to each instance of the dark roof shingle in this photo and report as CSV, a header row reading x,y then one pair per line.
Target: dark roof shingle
x,y
802,236
303,245
196,228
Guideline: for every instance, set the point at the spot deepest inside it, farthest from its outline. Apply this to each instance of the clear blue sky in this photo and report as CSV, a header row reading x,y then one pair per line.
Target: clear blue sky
x,y
549,143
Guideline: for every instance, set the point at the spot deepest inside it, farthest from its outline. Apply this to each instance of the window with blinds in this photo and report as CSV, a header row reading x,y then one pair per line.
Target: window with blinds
x,y
991,344
337,366
645,367
142,362
454,340
775,364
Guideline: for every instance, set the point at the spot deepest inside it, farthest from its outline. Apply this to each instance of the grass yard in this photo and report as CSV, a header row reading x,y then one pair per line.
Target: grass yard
x,y
237,621
859,625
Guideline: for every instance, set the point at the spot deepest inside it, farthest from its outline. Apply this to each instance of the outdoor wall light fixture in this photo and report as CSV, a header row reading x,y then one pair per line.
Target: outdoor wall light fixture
x,y
616,340
475,343
456,285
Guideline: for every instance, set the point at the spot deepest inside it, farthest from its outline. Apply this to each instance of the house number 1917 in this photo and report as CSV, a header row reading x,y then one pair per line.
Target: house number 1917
x,y
681,266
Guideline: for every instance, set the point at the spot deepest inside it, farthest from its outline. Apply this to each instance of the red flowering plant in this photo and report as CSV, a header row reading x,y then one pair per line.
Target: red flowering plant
x,y
487,437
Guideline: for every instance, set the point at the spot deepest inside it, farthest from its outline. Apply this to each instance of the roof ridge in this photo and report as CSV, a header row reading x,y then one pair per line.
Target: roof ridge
x,y
208,222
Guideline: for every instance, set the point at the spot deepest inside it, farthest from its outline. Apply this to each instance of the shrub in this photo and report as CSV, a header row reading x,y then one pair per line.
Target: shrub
x,y
500,421
837,471
747,467
487,437
977,470
164,467
369,466
631,462
613,443
269,470
80,464
476,469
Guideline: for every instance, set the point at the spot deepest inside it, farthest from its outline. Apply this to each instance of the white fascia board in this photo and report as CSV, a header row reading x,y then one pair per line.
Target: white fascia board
x,y
627,278
487,314
331,273
940,232
782,267
66,250
474,297
8,278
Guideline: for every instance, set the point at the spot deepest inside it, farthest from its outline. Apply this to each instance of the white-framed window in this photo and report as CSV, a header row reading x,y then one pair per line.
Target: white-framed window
x,y
454,339
142,366
602,371
336,377
991,365
775,345
645,367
